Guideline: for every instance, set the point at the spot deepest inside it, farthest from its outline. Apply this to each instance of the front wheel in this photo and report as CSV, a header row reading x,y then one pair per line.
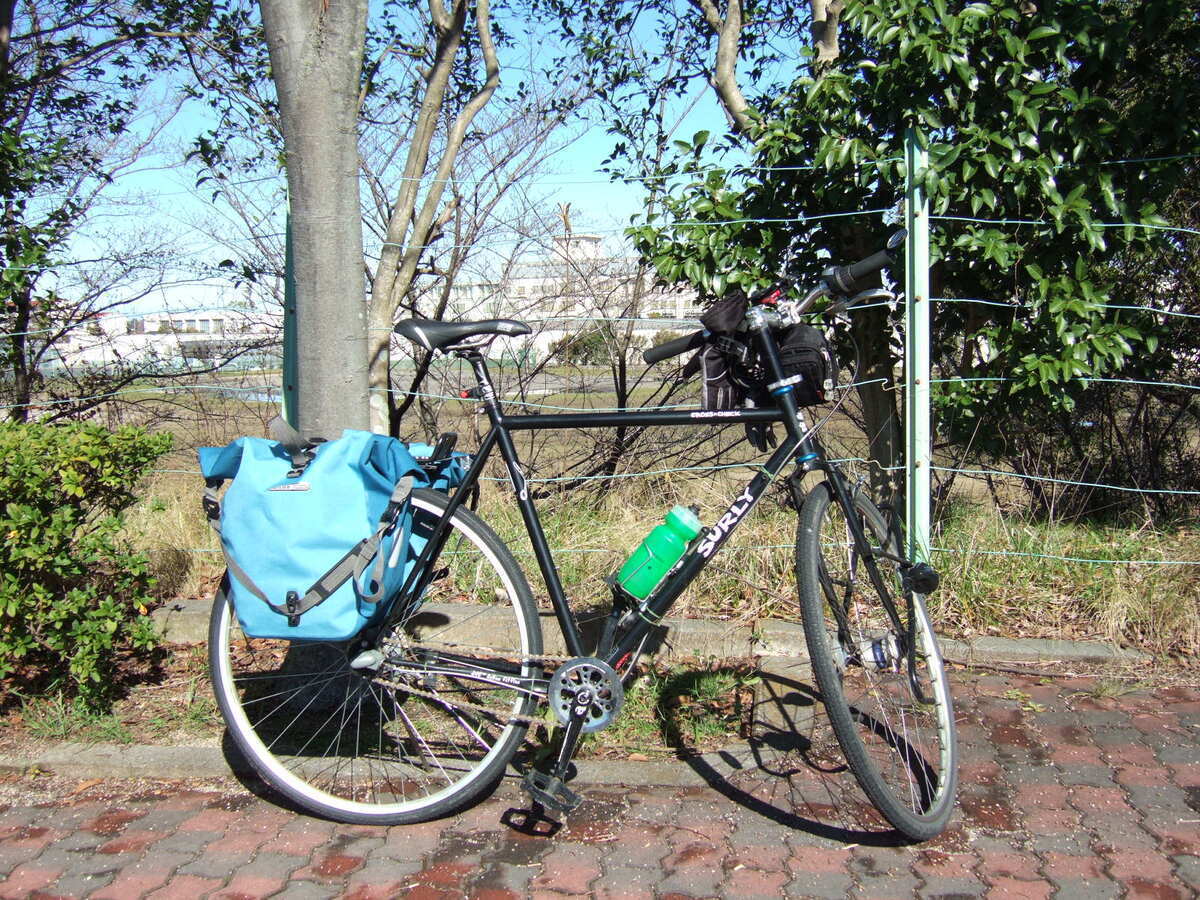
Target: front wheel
x,y
876,663
423,733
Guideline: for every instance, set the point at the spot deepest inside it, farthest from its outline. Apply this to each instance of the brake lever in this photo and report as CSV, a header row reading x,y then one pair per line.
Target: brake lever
x,y
869,295
791,310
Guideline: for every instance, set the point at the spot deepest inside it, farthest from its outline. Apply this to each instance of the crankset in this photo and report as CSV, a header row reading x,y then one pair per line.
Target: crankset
x,y
590,685
585,694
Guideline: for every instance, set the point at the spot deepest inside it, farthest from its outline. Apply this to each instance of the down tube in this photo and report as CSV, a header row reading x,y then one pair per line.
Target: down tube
x,y
708,546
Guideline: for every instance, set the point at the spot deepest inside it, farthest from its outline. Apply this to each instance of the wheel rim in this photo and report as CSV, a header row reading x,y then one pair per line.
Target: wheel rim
x,y
362,743
907,744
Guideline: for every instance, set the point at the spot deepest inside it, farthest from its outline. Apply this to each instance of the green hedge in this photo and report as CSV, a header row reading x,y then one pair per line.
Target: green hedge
x,y
72,595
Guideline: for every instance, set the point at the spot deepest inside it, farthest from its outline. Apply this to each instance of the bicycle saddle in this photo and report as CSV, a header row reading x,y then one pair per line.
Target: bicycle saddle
x,y
433,335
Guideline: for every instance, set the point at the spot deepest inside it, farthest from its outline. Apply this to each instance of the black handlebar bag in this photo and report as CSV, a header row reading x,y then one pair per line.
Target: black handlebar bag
x,y
714,362
806,356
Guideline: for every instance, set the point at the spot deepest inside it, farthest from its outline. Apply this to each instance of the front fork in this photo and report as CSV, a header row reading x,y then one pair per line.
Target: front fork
x,y
900,642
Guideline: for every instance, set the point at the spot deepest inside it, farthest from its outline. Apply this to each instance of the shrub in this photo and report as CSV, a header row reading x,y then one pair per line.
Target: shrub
x,y
72,595
589,347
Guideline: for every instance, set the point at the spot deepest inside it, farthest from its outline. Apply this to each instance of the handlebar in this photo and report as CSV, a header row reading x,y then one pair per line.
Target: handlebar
x,y
683,344
843,278
839,279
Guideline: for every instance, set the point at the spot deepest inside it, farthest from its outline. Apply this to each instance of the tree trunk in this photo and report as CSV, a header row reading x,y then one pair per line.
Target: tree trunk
x,y
825,16
316,58
877,391
7,11
22,383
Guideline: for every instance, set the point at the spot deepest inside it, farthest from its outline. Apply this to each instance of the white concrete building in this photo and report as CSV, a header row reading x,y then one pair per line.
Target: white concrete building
x,y
571,288
164,340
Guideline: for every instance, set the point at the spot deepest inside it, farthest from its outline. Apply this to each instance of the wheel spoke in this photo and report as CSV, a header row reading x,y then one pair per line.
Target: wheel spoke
x,y
862,635
368,745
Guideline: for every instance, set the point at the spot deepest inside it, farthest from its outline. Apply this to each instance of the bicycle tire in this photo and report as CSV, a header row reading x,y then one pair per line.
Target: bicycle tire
x,y
902,752
344,745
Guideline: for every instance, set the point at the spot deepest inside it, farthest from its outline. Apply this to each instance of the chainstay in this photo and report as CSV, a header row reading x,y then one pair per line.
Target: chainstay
x,y
504,718
472,648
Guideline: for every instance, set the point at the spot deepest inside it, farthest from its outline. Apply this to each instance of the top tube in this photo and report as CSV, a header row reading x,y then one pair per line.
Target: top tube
x,y
583,419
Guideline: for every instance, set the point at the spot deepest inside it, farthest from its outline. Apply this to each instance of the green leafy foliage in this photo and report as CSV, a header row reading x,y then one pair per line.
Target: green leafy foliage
x,y
71,595
595,346
1055,133
589,347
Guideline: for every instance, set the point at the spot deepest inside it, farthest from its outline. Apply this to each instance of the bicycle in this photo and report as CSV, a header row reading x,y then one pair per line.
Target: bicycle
x,y
421,714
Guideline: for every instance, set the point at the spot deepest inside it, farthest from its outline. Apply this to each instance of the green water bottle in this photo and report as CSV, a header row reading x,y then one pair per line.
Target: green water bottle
x,y
662,548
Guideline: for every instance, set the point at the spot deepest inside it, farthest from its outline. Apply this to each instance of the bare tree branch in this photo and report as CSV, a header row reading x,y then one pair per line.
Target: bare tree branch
x,y
399,259
724,76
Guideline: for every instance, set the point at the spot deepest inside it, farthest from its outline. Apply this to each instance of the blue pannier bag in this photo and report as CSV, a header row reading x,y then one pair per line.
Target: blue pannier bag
x,y
316,534
447,473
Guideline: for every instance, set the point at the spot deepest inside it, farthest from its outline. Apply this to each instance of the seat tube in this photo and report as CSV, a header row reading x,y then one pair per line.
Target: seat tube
x,y
483,379
533,526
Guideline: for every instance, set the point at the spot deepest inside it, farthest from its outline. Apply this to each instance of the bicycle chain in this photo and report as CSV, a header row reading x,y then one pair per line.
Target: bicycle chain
x,y
504,718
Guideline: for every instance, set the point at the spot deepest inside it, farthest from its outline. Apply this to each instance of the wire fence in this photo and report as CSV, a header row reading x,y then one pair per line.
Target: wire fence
x,y
965,466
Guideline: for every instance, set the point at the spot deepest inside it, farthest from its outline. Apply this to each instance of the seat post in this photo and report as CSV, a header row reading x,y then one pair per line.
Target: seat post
x,y
483,379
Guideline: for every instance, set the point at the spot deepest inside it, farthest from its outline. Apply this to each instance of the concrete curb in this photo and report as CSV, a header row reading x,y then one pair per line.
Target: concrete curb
x,y
186,622
179,762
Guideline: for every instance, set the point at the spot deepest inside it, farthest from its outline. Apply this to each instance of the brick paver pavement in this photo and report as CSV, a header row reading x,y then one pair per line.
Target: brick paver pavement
x,y
1067,791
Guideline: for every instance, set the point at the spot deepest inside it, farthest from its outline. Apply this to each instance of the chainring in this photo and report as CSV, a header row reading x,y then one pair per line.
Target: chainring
x,y
590,677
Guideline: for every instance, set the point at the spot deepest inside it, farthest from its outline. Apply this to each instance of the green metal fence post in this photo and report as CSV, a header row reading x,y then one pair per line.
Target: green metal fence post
x,y
917,446
291,386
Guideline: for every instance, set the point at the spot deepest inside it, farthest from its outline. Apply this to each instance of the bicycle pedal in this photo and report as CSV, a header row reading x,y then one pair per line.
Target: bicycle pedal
x,y
550,791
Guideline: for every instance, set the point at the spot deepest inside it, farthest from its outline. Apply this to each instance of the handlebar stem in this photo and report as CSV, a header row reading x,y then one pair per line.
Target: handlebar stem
x,y
783,391
762,318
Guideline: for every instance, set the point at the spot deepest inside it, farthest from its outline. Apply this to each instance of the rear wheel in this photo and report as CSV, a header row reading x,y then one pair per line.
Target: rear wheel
x,y
417,735
894,720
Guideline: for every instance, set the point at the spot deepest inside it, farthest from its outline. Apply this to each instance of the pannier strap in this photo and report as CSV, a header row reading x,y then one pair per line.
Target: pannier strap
x,y
352,565
300,450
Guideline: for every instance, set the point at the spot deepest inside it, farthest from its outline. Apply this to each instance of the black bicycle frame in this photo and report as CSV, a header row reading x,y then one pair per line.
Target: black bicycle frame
x,y
799,444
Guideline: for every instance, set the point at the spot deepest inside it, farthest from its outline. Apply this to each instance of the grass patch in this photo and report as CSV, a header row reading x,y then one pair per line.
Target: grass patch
x,y
680,710
167,702
670,711
1016,576
1109,688
1003,574
59,718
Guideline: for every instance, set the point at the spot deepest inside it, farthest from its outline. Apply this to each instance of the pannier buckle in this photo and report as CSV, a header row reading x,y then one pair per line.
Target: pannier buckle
x,y
292,603
212,508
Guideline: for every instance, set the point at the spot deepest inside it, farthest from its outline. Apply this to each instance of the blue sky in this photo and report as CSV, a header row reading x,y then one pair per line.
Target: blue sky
x,y
168,198
161,194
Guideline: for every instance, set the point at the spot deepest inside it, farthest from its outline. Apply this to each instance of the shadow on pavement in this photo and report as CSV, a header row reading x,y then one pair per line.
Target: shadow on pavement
x,y
792,771
243,771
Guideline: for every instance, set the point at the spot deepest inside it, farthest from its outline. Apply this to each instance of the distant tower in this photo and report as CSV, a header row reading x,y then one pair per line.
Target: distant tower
x,y
564,213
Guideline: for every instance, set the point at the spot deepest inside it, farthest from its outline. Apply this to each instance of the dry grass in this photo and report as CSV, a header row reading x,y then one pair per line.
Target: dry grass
x,y
1002,574
1012,575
